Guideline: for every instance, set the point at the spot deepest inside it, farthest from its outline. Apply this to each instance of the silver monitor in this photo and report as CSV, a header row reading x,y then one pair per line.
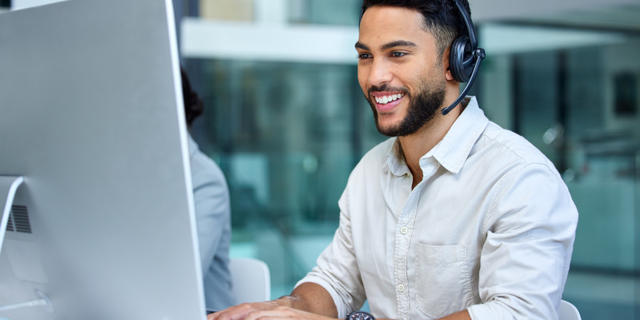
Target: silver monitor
x,y
91,116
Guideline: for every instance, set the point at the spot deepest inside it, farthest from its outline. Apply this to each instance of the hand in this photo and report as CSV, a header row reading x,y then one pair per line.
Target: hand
x,y
264,310
283,312
242,310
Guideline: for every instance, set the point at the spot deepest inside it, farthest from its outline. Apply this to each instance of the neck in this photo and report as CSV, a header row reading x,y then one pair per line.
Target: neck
x,y
417,144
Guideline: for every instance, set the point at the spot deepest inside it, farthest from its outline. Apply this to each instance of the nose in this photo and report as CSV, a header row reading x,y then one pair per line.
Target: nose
x,y
380,73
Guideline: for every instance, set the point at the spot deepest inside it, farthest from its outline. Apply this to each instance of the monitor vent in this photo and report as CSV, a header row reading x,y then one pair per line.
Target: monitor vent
x,y
10,224
19,220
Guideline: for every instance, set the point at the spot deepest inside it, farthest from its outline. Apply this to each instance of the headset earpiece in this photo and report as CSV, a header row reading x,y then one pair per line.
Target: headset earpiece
x,y
461,59
465,57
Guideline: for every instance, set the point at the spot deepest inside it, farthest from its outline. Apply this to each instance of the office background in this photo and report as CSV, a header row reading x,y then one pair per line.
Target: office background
x,y
286,121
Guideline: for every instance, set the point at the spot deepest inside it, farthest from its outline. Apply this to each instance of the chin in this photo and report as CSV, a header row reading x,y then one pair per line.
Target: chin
x,y
387,129
389,121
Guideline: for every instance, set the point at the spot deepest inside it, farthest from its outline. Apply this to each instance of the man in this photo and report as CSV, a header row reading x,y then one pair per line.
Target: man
x,y
212,209
454,217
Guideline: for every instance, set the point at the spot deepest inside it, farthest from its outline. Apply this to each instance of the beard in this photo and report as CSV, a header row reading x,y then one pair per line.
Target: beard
x,y
422,108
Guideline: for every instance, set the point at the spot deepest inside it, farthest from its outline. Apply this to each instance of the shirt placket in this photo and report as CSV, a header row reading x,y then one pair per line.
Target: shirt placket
x,y
403,235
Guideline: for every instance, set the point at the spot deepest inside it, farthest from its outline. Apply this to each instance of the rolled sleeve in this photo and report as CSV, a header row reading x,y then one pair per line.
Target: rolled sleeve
x,y
526,254
337,270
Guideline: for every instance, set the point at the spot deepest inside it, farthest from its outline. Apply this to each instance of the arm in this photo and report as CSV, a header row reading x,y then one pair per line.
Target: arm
x,y
337,270
460,315
307,301
314,298
526,254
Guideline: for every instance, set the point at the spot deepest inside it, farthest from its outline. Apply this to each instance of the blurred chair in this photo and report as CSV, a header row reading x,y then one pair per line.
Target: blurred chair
x,y
567,311
251,280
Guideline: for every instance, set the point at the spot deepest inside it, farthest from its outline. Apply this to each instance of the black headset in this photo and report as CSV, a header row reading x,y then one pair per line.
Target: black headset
x,y
465,57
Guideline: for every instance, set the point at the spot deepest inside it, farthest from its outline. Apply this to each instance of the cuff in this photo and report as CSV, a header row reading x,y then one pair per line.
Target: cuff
x,y
480,311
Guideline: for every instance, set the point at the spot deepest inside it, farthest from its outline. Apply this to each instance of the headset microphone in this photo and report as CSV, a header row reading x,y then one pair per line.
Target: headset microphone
x,y
465,57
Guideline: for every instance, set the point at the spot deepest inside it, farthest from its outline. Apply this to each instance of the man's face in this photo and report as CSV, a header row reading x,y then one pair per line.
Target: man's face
x,y
399,69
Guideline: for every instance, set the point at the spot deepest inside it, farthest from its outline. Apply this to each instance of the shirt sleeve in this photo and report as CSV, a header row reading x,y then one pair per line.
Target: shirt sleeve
x,y
527,251
337,270
212,209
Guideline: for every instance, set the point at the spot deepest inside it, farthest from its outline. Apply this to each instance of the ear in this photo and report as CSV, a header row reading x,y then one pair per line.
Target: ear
x,y
448,75
445,63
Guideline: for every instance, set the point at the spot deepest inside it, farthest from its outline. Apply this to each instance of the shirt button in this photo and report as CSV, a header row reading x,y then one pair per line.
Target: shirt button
x,y
404,230
400,287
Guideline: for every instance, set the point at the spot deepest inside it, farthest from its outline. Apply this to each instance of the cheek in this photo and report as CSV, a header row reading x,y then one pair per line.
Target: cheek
x,y
362,81
423,80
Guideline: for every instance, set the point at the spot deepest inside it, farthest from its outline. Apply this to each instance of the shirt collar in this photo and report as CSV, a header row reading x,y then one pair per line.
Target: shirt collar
x,y
454,149
395,161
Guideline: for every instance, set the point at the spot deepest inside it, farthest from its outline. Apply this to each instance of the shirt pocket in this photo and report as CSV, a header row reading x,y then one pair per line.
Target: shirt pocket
x,y
443,279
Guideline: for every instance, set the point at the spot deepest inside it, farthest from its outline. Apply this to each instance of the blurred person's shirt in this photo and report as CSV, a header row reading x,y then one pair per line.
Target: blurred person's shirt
x,y
213,220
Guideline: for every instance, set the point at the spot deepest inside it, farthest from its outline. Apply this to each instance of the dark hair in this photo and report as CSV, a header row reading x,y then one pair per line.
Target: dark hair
x,y
441,17
193,105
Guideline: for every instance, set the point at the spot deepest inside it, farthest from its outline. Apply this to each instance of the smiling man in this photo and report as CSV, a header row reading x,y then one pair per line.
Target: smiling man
x,y
452,217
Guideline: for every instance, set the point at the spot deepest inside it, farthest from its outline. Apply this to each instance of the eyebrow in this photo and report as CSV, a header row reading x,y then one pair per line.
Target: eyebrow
x,y
398,43
362,46
386,46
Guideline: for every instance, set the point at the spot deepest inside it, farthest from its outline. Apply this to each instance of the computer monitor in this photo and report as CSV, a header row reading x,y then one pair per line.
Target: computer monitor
x,y
91,116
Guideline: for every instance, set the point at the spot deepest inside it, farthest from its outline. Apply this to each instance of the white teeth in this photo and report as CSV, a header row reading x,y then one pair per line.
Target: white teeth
x,y
387,99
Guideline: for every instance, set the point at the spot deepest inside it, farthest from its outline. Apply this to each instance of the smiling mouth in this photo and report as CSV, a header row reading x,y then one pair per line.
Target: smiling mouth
x,y
388,98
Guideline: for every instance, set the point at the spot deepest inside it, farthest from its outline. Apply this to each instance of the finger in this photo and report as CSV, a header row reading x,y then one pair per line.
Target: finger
x,y
239,312
233,313
277,313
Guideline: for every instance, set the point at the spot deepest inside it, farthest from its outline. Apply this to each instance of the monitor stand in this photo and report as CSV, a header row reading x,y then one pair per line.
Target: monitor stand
x,y
8,187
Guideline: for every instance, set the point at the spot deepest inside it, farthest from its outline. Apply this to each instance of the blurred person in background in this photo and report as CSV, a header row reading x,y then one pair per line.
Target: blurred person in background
x,y
453,217
212,210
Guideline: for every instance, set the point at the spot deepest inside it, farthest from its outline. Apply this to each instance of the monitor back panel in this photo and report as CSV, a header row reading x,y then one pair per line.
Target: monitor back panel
x,y
91,115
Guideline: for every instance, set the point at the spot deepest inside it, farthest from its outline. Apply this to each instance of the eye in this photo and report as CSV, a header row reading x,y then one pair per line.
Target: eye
x,y
363,56
398,54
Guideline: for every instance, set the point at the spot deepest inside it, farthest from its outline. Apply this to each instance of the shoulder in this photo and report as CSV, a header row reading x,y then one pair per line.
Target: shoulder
x,y
375,159
205,172
509,151
365,176
509,167
521,174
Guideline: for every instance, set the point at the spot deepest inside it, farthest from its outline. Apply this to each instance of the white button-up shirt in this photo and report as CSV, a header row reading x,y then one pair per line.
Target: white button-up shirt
x,y
490,228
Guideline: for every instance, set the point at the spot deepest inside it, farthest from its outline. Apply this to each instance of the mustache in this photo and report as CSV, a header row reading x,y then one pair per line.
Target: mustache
x,y
385,87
